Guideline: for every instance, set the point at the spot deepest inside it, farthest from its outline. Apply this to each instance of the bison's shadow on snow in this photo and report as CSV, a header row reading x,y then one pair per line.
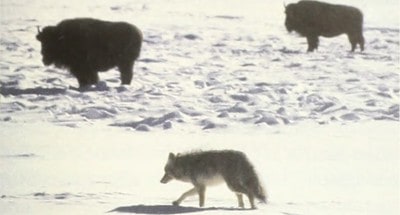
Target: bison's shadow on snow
x,y
6,91
48,91
168,209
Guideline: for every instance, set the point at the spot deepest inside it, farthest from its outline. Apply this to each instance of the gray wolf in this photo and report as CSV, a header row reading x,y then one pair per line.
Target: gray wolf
x,y
86,46
312,19
213,167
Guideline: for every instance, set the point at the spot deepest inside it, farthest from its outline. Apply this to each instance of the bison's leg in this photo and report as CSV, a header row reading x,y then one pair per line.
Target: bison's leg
x,y
361,41
353,41
356,38
93,78
312,41
86,78
83,82
126,70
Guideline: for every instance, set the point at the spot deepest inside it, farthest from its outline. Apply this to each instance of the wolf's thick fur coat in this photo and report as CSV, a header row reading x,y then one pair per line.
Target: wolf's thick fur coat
x,y
212,167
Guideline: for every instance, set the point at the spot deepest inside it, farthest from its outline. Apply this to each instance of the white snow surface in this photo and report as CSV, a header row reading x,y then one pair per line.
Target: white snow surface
x,y
322,128
331,169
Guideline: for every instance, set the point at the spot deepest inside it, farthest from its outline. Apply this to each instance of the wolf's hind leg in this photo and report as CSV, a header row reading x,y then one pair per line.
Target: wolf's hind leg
x,y
239,189
251,200
240,200
186,194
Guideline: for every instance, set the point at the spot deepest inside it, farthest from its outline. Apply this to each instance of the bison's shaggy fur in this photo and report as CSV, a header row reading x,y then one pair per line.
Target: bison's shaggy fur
x,y
86,46
312,19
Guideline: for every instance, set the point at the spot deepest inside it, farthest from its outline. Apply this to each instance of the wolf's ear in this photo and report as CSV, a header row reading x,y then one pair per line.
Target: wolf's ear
x,y
171,156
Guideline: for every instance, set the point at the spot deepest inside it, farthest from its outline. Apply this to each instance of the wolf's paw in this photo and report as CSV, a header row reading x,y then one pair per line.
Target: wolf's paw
x,y
175,203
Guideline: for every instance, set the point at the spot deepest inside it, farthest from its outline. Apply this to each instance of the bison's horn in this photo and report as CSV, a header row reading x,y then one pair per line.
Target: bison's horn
x,y
284,5
38,29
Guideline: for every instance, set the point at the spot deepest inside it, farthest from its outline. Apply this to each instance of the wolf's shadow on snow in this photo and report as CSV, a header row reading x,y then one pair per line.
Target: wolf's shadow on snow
x,y
168,209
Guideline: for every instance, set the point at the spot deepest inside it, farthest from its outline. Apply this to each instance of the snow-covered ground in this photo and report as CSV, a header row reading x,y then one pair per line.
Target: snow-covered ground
x,y
331,169
321,128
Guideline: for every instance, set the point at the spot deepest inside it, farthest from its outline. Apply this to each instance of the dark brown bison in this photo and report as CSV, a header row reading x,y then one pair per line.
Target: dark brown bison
x,y
86,46
312,19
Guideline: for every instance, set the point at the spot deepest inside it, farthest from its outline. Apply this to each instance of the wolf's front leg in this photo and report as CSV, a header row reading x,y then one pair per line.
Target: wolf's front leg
x,y
201,189
186,194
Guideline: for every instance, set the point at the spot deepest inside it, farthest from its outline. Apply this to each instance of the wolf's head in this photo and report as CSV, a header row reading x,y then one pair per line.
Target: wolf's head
x,y
170,169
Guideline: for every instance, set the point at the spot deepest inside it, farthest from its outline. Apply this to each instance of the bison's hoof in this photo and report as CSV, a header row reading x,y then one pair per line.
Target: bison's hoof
x,y
175,203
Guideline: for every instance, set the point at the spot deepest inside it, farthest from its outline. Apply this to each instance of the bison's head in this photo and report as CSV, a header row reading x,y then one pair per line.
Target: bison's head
x,y
291,18
49,38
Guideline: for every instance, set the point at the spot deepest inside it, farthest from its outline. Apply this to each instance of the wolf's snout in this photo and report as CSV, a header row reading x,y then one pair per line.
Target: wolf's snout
x,y
165,179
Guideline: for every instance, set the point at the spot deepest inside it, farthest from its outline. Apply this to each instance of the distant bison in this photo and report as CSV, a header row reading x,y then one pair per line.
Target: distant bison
x,y
312,19
86,46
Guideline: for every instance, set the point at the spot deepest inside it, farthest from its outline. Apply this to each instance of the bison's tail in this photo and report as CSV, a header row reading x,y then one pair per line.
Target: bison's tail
x,y
138,42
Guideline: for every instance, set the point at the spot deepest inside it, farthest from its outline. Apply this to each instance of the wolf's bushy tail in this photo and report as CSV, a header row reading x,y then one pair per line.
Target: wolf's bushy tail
x,y
260,194
255,185
257,188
